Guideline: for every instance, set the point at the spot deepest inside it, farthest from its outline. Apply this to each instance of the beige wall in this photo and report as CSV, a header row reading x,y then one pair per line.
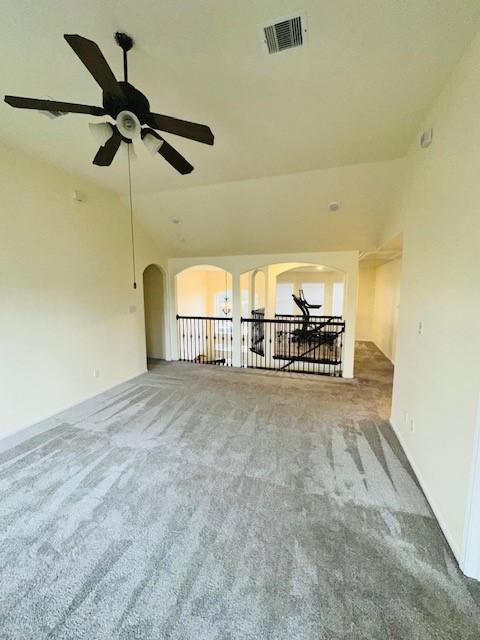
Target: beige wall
x,y
366,301
215,285
68,306
259,289
154,307
437,375
378,305
386,307
191,287
197,288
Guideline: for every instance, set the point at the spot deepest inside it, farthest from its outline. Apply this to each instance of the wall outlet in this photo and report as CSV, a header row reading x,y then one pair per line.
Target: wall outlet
x,y
420,328
96,373
132,308
412,425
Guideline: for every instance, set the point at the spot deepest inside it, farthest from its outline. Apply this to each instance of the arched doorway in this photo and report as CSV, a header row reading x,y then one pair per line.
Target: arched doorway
x,y
204,315
153,295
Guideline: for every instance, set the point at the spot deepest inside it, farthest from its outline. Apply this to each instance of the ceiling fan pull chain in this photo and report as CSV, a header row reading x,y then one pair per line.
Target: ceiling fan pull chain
x,y
131,217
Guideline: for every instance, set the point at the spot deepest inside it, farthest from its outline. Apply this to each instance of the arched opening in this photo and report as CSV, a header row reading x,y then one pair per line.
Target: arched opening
x,y
273,288
154,307
258,291
204,315
320,286
204,290
296,319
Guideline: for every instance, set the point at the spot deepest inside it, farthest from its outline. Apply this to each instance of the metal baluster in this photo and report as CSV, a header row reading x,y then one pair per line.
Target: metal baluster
x,y
190,323
184,338
225,346
179,337
198,337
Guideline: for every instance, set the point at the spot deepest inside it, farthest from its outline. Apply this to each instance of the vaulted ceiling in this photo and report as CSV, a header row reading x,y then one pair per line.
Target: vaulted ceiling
x,y
356,93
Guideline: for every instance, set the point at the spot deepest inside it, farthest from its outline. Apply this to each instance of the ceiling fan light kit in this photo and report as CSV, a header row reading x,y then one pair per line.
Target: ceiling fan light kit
x,y
101,131
128,124
152,144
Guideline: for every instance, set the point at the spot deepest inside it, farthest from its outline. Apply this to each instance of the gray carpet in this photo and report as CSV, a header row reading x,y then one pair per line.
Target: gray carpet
x,y
198,503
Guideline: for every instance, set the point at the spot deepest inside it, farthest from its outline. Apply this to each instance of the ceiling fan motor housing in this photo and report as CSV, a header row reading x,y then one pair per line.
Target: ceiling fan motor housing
x,y
133,101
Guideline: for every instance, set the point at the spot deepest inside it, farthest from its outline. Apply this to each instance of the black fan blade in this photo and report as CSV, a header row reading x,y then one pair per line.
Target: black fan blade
x,y
93,59
192,130
53,105
170,154
106,153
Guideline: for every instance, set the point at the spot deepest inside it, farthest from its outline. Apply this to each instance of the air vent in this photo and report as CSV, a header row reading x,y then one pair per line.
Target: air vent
x,y
285,34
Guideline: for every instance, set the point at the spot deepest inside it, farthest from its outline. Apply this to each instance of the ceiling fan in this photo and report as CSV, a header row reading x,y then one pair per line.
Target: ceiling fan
x,y
126,105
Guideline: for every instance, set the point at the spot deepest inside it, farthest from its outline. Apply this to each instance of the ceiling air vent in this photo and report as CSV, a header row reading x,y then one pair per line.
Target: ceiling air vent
x,y
285,34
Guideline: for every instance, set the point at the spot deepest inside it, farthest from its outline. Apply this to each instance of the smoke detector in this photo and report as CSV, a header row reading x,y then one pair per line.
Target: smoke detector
x,y
334,206
285,33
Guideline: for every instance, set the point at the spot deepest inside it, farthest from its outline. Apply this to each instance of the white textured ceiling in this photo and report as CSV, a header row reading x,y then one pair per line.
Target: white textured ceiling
x,y
356,93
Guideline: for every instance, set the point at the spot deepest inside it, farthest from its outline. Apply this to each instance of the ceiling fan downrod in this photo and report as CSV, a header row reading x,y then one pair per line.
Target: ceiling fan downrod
x,y
125,42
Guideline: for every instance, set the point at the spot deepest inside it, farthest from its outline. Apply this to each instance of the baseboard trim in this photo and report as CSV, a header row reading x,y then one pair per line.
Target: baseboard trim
x,y
433,505
471,541
18,435
386,356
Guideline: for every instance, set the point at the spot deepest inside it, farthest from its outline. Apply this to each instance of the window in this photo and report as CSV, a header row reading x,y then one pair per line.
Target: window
x,y
314,293
337,299
284,301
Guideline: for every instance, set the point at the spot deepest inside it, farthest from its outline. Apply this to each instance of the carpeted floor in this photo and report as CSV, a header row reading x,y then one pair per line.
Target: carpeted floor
x,y
198,503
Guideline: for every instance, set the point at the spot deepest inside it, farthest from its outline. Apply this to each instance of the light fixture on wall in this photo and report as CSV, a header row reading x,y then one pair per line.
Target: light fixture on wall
x,y
226,305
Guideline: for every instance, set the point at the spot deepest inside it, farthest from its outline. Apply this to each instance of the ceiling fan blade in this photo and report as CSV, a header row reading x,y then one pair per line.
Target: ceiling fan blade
x,y
105,154
184,128
170,154
53,105
91,56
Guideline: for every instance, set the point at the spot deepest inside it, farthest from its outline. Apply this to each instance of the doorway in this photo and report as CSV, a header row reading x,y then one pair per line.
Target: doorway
x,y
153,295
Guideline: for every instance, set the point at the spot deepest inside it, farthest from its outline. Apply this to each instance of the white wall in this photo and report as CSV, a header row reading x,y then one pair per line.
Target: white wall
x,y
437,375
386,307
65,292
